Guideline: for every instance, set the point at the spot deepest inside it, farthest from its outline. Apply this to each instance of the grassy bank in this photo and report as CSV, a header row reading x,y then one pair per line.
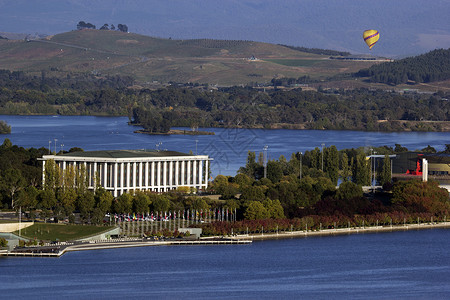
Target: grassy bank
x,y
61,232
341,231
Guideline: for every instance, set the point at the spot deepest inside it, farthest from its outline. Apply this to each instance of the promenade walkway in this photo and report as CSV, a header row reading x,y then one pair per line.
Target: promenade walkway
x,y
58,249
342,231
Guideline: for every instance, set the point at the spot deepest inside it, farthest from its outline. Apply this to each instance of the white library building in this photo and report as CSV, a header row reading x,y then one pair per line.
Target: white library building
x,y
121,171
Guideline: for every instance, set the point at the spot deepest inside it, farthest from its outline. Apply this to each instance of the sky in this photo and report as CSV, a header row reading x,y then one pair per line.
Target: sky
x,y
407,27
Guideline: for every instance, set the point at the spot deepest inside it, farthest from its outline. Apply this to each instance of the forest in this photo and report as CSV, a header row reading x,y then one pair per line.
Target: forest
x,y
319,51
428,67
200,106
245,107
301,188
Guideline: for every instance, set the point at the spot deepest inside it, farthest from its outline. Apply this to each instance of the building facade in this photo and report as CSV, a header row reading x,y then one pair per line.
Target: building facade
x,y
121,171
412,163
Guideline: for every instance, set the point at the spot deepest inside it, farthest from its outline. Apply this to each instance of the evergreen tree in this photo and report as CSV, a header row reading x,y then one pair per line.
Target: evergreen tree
x,y
331,163
385,175
361,170
345,168
252,168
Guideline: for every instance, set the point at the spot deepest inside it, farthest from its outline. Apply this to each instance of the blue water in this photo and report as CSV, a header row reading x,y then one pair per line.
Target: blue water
x,y
397,265
228,147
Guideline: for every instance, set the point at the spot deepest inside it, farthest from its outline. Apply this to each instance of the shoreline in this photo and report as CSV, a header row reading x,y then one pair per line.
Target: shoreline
x,y
343,231
242,239
175,132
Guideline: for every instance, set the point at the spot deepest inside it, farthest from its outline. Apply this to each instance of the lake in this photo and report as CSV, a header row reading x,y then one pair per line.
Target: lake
x,y
228,147
397,265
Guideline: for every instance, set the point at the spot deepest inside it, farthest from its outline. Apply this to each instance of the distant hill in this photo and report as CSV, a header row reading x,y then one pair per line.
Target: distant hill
x,y
149,59
430,67
407,28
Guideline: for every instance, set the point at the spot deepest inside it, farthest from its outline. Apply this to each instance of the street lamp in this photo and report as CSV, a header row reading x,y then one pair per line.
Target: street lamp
x,y
265,160
372,168
371,165
322,155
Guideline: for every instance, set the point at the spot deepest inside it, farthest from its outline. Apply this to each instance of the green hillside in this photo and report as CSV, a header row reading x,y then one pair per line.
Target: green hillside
x,y
429,67
149,59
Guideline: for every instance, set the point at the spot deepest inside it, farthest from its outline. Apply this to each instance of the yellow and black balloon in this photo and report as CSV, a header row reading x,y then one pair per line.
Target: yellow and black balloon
x,y
371,37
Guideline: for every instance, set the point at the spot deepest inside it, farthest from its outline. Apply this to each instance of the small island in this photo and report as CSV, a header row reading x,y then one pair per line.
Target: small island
x,y
176,131
4,127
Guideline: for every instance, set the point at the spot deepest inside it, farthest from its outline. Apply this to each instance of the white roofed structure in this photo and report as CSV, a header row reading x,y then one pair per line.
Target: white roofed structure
x,y
121,171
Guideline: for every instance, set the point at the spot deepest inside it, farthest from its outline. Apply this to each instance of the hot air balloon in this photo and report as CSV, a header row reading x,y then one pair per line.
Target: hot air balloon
x,y
371,37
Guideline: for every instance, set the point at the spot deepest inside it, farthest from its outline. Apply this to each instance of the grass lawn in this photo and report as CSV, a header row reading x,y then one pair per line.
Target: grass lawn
x,y
61,232
4,221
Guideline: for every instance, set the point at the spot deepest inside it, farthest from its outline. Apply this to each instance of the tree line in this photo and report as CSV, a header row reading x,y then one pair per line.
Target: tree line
x,y
158,110
360,109
428,67
318,51
120,27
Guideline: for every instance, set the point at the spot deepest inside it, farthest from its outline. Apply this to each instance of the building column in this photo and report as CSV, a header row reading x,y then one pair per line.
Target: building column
x,y
158,175
140,175
188,177
183,173
128,179
177,172
116,180
152,179
133,171
164,175
122,171
194,173
145,184
170,174
200,174
105,175
112,178
94,177
206,173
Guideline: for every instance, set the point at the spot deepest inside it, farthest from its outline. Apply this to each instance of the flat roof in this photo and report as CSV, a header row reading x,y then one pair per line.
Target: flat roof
x,y
437,158
124,154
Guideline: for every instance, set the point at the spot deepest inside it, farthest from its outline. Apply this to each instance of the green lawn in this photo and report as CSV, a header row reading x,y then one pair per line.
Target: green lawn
x,y
61,232
9,221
